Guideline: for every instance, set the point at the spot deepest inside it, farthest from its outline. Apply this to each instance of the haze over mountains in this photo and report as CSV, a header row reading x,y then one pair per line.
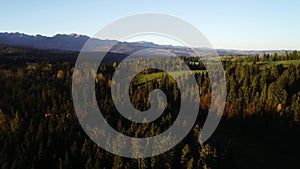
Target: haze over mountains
x,y
75,42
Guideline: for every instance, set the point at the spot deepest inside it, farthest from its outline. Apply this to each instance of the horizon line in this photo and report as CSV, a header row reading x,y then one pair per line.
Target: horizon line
x,y
155,43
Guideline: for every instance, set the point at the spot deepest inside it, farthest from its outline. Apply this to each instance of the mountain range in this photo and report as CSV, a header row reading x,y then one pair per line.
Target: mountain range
x,y
75,42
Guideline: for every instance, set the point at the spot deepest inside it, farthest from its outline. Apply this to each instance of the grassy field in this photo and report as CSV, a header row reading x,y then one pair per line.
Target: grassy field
x,y
143,78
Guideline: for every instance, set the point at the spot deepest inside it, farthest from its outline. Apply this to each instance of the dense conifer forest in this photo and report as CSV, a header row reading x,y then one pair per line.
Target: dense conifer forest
x,y
259,128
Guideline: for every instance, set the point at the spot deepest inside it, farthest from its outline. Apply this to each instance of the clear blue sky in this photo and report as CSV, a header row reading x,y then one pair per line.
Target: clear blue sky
x,y
237,24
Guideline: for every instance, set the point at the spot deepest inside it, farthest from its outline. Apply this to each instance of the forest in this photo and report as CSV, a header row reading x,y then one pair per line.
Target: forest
x,y
260,126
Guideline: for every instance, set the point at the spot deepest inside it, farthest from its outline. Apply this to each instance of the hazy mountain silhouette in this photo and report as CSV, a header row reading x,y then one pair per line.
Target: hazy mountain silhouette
x,y
75,42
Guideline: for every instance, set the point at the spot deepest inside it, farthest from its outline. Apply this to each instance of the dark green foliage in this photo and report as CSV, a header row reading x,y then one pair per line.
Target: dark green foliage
x,y
39,128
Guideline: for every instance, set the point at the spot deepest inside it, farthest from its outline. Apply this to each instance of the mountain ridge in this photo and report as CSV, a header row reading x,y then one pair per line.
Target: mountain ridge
x,y
75,42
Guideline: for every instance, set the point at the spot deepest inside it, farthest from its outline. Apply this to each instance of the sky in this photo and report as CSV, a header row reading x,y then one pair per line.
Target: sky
x,y
227,24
